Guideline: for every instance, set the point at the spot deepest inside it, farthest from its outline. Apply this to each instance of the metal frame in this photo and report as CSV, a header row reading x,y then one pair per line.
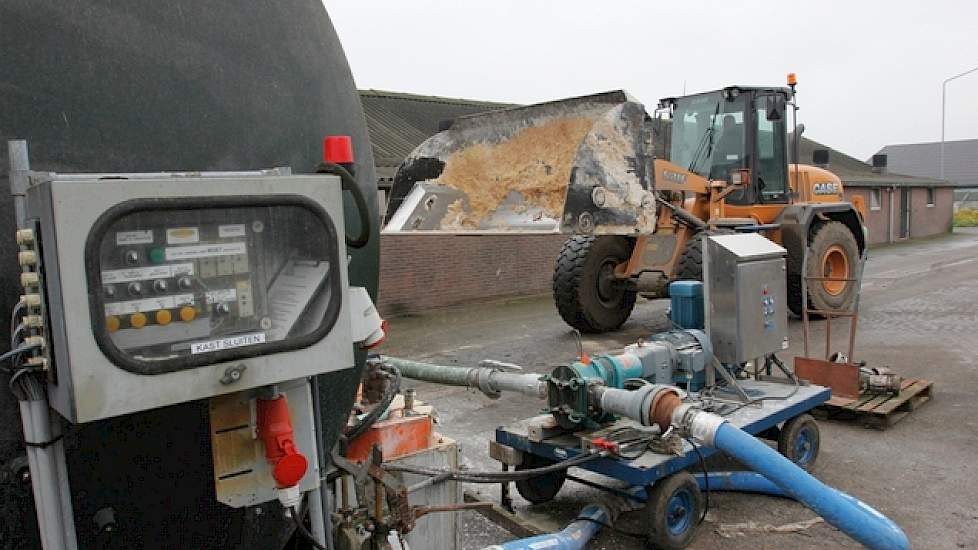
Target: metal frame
x,y
640,476
830,315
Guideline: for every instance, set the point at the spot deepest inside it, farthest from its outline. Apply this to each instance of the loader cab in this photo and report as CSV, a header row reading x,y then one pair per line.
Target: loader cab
x,y
731,133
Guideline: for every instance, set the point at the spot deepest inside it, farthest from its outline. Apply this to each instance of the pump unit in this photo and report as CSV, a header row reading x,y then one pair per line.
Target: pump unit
x,y
156,289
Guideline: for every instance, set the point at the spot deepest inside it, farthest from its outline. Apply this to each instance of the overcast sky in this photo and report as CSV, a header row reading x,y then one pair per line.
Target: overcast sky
x,y
869,73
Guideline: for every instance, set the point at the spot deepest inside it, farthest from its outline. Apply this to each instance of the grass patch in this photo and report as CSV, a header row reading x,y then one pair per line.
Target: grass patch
x,y
966,217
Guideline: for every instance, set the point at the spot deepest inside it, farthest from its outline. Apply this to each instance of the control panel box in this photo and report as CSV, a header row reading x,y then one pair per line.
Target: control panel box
x,y
159,289
746,296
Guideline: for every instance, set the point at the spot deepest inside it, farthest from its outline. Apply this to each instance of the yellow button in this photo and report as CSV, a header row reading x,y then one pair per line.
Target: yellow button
x,y
137,320
187,314
112,323
163,317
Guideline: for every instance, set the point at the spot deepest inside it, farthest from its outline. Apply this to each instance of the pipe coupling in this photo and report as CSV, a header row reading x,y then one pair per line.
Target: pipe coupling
x,y
702,426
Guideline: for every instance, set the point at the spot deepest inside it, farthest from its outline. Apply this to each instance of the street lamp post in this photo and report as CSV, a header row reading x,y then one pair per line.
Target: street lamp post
x,y
944,110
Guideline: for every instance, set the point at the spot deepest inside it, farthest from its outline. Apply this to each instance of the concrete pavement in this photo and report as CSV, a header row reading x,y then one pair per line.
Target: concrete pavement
x,y
919,316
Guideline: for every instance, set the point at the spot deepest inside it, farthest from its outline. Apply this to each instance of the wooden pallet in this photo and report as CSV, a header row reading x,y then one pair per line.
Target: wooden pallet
x,y
880,411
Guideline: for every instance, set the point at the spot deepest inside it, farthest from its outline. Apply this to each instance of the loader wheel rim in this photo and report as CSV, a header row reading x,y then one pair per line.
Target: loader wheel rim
x,y
835,263
608,292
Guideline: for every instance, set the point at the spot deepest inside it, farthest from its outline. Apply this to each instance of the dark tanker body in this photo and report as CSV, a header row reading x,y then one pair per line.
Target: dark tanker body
x,y
143,85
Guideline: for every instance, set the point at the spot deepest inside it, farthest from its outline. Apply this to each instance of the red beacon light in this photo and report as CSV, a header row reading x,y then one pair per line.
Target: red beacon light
x,y
338,150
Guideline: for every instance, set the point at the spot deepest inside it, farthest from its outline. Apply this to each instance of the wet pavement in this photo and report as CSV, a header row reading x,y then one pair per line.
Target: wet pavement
x,y
919,316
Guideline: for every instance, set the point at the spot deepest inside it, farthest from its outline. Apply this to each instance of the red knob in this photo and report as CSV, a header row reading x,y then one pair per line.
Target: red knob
x,y
338,149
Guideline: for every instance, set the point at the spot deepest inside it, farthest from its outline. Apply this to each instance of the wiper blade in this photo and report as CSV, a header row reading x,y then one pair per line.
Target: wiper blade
x,y
707,140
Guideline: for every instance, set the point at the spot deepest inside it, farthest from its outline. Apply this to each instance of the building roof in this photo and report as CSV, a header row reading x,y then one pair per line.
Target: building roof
x,y
856,173
924,159
399,122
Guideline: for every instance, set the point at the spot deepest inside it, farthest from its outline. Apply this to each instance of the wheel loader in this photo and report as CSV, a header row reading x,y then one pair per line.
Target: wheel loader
x,y
637,192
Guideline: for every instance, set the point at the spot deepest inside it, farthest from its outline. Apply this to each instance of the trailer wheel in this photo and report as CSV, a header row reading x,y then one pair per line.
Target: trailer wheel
x,y
586,292
799,441
832,252
542,488
674,510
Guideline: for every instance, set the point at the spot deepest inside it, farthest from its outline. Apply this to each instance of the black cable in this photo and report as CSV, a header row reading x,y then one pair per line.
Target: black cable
x,y
349,183
497,477
706,479
392,389
301,528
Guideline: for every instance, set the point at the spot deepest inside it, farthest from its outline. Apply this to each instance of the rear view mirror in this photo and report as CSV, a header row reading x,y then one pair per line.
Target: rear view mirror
x,y
774,108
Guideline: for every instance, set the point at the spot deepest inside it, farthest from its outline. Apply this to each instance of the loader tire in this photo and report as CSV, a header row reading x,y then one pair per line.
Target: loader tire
x,y
832,252
689,267
585,292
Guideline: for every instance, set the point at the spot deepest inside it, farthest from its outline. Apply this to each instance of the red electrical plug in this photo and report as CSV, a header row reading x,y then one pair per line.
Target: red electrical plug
x,y
275,431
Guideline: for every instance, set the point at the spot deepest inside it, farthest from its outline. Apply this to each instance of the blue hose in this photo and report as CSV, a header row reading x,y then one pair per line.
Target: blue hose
x,y
848,514
744,482
574,537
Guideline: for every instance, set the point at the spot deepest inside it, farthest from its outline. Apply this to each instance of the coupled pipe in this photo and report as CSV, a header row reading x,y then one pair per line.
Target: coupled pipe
x,y
490,377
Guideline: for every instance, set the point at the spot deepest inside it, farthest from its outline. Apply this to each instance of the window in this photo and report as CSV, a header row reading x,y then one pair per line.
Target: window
x,y
930,197
771,147
180,285
875,194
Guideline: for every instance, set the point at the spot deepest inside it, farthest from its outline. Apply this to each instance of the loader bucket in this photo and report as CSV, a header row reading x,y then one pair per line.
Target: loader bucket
x,y
577,165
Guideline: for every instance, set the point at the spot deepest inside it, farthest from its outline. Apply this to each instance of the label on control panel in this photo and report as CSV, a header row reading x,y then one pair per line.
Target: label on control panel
x,y
228,343
230,231
144,273
222,295
205,250
149,304
182,235
123,238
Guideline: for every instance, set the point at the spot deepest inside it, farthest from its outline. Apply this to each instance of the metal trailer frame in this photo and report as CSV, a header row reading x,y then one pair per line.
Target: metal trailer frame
x,y
651,467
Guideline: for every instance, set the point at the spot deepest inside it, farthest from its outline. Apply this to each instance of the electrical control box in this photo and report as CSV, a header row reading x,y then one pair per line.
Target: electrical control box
x,y
158,289
746,296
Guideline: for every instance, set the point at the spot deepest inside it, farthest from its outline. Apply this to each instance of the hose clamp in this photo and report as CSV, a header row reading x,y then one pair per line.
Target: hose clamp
x,y
702,426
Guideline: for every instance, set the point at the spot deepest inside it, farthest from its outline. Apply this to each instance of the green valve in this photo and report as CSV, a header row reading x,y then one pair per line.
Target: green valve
x,y
157,255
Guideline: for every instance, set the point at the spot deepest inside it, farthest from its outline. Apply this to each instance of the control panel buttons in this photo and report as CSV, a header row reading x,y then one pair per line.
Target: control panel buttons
x,y
187,314
135,288
160,285
131,257
137,320
163,317
185,283
222,309
108,291
157,255
112,323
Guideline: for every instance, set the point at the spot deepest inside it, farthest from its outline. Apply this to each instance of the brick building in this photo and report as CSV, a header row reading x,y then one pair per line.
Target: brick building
x,y
898,206
422,272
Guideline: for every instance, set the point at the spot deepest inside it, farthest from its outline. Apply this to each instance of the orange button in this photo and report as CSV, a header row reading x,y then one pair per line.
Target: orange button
x,y
137,320
187,314
163,317
112,323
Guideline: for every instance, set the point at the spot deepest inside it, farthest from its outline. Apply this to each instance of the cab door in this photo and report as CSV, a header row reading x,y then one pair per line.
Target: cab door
x,y
769,170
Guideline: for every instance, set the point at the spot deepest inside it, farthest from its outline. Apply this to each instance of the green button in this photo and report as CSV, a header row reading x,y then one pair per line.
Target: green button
x,y
157,255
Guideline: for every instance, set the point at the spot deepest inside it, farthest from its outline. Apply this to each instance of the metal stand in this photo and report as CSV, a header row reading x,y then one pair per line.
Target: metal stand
x,y
830,315
841,376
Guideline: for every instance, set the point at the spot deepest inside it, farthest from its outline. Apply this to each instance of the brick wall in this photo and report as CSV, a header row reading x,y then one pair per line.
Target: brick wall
x,y
925,221
423,272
